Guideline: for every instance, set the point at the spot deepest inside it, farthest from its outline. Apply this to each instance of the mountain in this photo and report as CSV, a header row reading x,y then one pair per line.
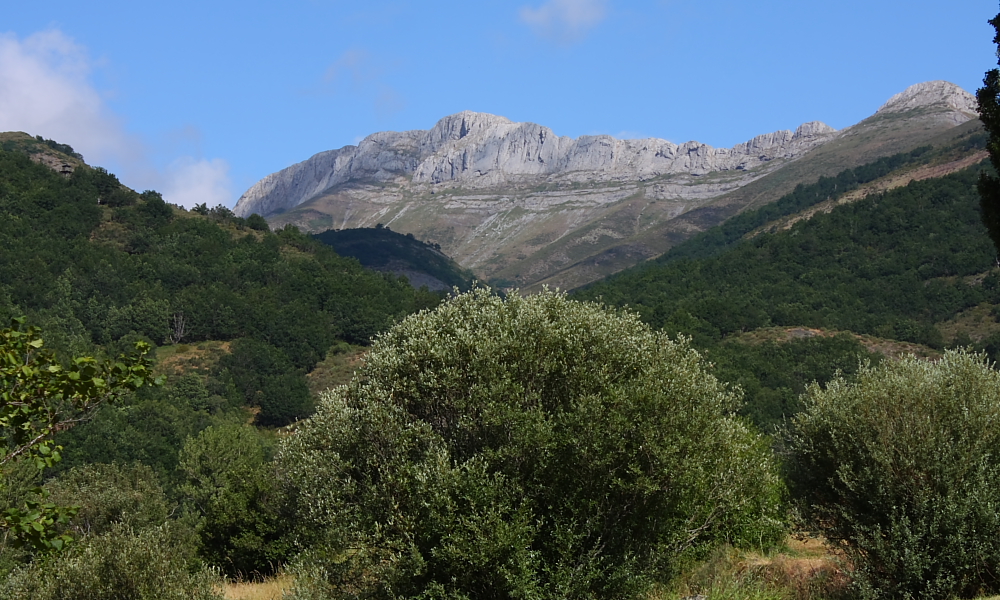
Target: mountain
x,y
521,206
381,249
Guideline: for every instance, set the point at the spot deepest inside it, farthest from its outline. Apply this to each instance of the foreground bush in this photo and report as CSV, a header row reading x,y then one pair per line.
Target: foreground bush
x,y
903,468
122,564
524,448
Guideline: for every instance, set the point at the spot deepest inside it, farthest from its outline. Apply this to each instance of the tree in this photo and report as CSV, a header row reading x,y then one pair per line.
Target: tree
x,y
264,377
989,112
258,223
900,470
524,447
229,479
111,494
39,396
154,563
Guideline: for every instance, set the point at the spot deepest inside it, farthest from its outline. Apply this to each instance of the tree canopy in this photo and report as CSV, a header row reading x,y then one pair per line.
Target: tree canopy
x,y
899,469
988,98
525,447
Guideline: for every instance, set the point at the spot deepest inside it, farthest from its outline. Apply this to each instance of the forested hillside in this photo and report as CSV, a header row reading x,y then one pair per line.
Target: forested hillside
x,y
381,249
98,266
893,265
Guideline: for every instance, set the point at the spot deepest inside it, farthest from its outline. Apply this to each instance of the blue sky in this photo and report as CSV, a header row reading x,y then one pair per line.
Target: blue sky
x,y
201,99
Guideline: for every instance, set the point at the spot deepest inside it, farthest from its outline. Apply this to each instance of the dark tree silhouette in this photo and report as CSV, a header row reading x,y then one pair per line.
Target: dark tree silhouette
x,y
989,112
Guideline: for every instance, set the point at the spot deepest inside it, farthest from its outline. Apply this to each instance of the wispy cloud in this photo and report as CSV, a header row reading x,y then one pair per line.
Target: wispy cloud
x,y
45,89
355,65
631,135
358,72
389,102
564,20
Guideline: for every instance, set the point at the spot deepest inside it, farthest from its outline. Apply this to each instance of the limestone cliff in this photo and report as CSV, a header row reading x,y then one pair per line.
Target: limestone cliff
x,y
483,151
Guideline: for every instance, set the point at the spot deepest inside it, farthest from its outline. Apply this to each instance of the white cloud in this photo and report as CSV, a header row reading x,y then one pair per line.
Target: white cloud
x,y
190,181
631,135
564,20
45,89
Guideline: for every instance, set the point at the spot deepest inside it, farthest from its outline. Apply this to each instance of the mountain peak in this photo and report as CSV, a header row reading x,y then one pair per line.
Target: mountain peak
x,y
931,93
814,128
459,125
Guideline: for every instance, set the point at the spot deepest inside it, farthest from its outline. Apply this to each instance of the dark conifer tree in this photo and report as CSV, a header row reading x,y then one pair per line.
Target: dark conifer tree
x,y
989,112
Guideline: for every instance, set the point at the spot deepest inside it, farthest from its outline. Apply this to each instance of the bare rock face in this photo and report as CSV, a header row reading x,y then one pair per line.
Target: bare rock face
x,y
483,151
942,94
520,205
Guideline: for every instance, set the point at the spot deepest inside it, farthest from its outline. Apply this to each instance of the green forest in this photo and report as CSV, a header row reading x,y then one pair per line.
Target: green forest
x,y
895,265
382,249
162,434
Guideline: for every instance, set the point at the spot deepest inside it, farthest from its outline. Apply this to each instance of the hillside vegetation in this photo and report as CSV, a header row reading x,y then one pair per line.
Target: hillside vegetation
x,y
911,265
893,265
381,249
99,266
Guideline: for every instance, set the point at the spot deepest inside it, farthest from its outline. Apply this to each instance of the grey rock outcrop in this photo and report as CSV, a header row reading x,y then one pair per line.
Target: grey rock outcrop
x,y
932,93
480,151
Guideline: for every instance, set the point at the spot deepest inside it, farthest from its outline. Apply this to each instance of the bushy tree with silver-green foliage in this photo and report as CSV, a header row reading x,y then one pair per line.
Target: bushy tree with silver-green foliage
x,y
527,447
901,468
106,495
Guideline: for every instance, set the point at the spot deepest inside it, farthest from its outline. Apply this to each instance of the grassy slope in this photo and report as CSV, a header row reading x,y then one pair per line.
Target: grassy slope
x,y
888,348
39,151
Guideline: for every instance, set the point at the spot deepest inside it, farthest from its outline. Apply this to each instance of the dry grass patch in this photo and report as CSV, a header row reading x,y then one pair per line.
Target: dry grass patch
x,y
893,349
336,369
804,569
177,359
971,325
268,589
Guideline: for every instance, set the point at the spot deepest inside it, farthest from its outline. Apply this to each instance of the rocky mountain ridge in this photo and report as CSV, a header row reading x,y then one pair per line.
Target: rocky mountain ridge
x,y
484,151
931,93
520,205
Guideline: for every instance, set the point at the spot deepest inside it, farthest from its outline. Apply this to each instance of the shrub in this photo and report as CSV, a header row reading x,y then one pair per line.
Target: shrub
x,y
902,469
527,447
146,565
108,494
257,222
